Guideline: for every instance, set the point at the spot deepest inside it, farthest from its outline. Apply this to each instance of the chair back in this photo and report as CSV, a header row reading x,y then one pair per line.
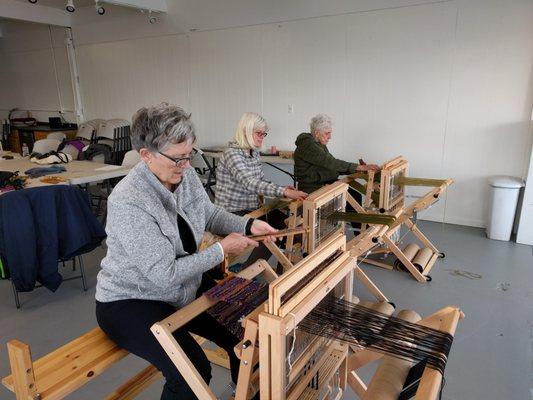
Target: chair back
x,y
131,158
44,146
72,150
87,129
57,135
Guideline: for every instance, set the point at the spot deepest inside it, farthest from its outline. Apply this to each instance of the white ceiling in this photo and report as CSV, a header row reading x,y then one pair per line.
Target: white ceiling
x,y
192,15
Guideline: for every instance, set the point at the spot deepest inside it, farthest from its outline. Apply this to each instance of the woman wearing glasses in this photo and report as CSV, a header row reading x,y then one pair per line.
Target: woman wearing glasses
x,y
240,178
156,219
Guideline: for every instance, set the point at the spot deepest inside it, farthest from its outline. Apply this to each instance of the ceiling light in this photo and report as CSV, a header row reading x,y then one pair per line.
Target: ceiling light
x,y
70,6
99,9
151,18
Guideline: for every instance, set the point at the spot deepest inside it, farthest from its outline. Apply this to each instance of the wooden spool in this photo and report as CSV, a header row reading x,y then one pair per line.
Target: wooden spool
x,y
381,306
410,252
387,383
422,258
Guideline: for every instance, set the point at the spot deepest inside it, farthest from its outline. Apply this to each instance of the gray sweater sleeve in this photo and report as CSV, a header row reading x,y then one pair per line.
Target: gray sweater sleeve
x,y
152,252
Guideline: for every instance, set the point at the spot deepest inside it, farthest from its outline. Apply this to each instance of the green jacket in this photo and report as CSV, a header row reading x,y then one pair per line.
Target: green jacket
x,y
314,166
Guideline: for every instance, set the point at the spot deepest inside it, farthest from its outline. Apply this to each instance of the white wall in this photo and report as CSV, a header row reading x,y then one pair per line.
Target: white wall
x,y
525,226
34,71
446,84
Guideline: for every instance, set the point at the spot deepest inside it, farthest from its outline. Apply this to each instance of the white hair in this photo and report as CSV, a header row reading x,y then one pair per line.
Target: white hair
x,y
320,123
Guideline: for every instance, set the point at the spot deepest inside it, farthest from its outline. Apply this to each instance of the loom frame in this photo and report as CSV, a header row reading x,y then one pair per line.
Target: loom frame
x,y
314,202
163,330
405,215
302,213
271,322
444,320
249,353
276,321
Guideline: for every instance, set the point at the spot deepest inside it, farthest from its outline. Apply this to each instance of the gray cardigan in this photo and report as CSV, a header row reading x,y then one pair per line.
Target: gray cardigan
x,y
145,257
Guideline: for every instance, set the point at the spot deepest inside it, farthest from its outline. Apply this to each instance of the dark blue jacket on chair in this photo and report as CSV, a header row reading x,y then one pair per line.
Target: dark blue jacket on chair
x,y
40,226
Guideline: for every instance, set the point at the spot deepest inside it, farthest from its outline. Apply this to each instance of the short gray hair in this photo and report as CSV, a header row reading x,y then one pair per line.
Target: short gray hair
x,y
320,123
156,127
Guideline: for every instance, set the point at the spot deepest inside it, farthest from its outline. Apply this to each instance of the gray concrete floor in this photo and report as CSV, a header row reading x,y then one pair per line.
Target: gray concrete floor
x,y
492,355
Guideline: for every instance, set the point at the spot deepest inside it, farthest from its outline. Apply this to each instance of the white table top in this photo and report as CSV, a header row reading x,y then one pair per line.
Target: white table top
x,y
77,172
266,159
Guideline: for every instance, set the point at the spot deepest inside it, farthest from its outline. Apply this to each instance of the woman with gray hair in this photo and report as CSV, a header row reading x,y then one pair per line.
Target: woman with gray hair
x,y
314,166
156,219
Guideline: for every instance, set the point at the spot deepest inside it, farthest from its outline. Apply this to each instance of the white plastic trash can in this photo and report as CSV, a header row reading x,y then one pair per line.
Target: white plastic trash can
x,y
504,192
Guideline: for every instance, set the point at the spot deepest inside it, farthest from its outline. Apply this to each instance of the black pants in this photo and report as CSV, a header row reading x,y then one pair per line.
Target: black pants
x,y
276,219
128,322
357,197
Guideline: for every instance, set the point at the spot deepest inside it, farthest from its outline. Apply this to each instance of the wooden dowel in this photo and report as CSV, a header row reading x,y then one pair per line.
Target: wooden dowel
x,y
281,233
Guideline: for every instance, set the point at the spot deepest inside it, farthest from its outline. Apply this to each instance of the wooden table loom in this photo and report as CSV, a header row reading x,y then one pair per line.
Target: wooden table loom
x,y
308,214
384,191
320,368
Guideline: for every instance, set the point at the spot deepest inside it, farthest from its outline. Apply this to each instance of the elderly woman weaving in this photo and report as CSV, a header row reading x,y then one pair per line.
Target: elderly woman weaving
x,y
314,165
156,219
240,178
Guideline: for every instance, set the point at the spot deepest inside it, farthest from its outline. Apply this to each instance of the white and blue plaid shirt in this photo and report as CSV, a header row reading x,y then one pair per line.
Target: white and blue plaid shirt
x,y
240,179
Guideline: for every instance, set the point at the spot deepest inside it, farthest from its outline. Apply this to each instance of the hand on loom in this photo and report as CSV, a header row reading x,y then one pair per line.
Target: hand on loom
x,y
235,243
368,167
262,228
292,193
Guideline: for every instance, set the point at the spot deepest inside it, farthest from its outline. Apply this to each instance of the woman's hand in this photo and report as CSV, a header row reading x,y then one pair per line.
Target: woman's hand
x,y
292,193
262,228
235,243
368,167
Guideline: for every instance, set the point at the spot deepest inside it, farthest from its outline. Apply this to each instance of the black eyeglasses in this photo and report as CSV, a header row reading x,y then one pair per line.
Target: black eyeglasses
x,y
181,161
261,134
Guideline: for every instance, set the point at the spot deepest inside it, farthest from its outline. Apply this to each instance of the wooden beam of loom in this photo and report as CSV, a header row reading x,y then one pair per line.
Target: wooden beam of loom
x,y
375,219
444,320
163,330
410,181
393,173
278,234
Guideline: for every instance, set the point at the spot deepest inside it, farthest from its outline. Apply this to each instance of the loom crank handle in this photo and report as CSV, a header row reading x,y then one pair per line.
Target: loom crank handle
x,y
442,255
246,344
428,278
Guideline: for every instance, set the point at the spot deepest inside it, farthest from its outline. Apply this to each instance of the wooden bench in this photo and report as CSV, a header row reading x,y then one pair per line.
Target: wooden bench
x,y
78,362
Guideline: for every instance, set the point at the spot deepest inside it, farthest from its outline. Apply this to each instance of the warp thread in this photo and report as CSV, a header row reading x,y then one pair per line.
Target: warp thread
x,y
237,297
233,290
338,319
351,323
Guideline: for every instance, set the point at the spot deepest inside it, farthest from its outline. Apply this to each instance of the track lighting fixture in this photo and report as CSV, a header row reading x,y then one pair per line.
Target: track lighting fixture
x,y
151,18
70,6
99,9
